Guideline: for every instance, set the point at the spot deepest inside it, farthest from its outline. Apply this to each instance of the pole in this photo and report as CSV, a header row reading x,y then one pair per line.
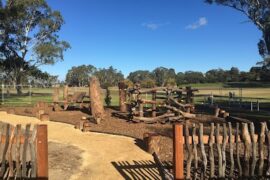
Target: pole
x,y
42,151
178,155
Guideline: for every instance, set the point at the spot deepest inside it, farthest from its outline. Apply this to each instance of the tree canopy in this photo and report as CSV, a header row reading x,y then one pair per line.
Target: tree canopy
x,y
109,77
79,75
29,37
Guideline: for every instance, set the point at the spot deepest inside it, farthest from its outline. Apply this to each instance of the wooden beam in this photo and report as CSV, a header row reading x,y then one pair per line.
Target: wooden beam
x,y
42,151
178,156
153,119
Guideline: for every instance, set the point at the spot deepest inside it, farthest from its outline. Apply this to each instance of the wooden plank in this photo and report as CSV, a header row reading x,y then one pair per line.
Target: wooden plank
x,y
190,153
2,131
224,144
268,148
9,154
211,151
18,151
25,146
261,148
195,151
231,146
238,152
178,152
3,163
33,152
42,151
247,142
219,153
254,150
203,150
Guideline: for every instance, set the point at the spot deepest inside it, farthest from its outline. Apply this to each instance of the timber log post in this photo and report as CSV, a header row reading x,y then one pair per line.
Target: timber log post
x,y
152,142
65,94
154,105
122,96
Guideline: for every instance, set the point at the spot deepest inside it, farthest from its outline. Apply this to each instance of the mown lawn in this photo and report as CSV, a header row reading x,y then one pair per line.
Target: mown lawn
x,y
217,89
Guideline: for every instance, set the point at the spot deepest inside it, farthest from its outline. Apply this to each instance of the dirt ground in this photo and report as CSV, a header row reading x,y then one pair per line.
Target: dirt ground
x,y
77,155
116,126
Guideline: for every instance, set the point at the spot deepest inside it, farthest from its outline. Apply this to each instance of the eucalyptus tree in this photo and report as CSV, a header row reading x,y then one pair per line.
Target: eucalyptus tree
x,y
29,37
79,75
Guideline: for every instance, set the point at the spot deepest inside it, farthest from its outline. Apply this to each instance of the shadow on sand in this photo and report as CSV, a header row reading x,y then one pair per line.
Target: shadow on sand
x,y
137,169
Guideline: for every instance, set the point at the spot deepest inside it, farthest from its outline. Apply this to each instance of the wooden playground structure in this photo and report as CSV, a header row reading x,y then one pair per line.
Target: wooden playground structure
x,y
68,99
167,104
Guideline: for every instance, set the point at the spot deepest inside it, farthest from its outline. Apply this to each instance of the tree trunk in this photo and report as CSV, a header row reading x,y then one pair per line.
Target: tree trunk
x,y
18,85
97,108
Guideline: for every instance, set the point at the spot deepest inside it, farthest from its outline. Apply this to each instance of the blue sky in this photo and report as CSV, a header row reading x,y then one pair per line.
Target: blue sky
x,y
144,34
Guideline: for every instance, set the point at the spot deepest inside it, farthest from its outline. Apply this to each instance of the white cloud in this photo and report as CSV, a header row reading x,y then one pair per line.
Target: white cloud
x,y
201,22
153,26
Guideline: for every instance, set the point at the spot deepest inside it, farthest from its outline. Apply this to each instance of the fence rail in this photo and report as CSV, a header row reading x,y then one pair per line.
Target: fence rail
x,y
227,152
23,151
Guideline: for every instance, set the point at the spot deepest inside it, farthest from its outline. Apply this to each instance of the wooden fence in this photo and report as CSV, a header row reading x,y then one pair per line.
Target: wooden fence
x,y
225,151
23,152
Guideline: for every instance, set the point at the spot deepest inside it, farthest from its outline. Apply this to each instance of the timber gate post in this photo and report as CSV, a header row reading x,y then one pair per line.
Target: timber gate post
x,y
178,156
42,152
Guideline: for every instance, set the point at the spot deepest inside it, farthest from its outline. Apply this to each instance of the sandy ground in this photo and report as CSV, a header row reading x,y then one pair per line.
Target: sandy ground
x,y
77,155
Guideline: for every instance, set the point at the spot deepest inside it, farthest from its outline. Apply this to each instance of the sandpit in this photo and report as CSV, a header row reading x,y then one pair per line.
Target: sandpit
x,y
77,155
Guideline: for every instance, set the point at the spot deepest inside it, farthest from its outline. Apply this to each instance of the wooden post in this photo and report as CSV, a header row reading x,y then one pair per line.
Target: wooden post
x,y
188,94
231,147
65,94
154,105
240,172
42,151
178,155
152,142
97,109
211,151
261,148
204,157
122,96
140,109
217,110
195,151
56,94
247,143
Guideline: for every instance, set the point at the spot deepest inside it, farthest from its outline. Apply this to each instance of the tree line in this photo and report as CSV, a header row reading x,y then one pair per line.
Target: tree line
x,y
162,76
29,38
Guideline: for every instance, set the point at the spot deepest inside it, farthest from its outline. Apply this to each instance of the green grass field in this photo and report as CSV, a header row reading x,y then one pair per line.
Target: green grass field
x,y
217,89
